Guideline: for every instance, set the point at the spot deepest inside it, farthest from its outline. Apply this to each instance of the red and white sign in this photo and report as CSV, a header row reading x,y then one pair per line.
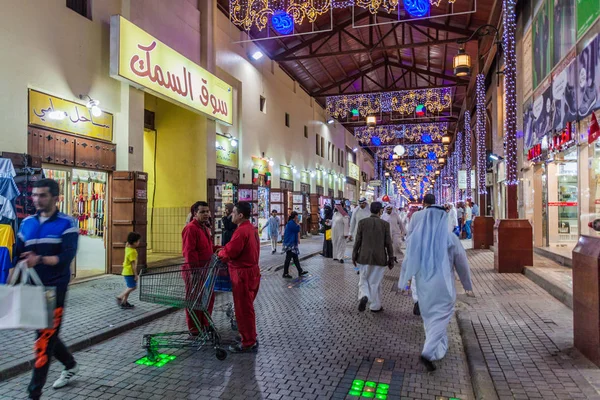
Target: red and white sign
x,y
594,132
562,204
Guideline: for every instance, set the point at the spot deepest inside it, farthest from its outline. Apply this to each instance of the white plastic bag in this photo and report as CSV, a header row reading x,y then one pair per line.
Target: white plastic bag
x,y
26,306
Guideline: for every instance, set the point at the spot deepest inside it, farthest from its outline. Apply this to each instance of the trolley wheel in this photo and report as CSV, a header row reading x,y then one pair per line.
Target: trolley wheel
x,y
220,353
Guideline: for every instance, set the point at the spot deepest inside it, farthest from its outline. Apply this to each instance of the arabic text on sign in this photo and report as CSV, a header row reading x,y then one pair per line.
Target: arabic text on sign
x,y
562,204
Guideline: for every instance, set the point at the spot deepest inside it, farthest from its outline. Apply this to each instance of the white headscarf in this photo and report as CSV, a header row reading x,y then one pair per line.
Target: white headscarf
x,y
427,246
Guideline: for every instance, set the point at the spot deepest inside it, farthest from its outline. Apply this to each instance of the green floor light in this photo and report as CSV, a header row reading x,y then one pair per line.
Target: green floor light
x,y
369,389
160,362
354,393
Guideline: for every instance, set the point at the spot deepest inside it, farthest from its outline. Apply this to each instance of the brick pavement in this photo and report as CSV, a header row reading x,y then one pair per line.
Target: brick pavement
x,y
526,337
313,344
91,314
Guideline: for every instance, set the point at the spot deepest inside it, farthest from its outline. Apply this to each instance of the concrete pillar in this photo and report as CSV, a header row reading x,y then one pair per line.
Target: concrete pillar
x,y
129,130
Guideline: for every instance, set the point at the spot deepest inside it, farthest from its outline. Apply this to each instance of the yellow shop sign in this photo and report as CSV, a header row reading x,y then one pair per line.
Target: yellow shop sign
x,y
261,165
227,155
320,178
286,173
305,177
139,58
66,116
353,171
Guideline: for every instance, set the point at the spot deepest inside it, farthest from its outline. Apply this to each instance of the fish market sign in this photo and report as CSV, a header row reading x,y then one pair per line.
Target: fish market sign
x,y
66,116
139,58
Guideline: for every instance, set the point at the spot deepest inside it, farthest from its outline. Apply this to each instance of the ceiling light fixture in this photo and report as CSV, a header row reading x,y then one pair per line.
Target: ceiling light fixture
x,y
256,55
462,60
330,121
371,121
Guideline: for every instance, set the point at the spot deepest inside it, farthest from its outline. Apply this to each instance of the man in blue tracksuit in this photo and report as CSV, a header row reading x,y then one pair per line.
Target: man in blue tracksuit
x,y
47,241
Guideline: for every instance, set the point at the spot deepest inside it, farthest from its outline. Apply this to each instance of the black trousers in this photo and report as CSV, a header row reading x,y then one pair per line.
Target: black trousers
x,y
289,255
47,345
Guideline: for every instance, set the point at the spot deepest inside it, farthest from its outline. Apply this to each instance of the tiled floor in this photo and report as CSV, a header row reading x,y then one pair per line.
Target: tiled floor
x,y
313,344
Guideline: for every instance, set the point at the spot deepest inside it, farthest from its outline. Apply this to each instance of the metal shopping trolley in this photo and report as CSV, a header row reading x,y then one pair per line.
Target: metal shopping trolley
x,y
191,288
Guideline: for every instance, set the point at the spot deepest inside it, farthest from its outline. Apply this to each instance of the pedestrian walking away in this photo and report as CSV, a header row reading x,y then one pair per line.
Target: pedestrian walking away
x,y
130,272
197,248
273,227
326,229
242,254
468,219
397,229
47,241
291,241
432,254
373,251
339,233
228,225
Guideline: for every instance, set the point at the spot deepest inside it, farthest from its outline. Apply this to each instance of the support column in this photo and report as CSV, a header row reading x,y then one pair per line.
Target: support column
x,y
513,238
586,297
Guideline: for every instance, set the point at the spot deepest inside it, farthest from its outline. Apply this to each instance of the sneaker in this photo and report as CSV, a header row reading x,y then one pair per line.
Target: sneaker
x,y
287,276
127,306
362,305
416,309
303,273
274,251
238,348
428,364
588,101
65,377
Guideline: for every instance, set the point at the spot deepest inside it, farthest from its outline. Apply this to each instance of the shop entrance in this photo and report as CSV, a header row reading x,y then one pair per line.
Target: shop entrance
x,y
83,195
563,201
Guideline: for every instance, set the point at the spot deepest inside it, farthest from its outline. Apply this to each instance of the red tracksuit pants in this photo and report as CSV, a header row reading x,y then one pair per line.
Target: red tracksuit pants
x,y
193,286
244,286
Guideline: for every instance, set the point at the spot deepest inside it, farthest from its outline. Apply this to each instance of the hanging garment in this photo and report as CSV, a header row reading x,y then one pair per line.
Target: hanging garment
x,y
7,212
5,264
7,170
7,238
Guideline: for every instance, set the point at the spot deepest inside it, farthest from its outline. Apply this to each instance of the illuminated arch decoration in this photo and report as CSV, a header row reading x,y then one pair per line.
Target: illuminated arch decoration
x,y
426,133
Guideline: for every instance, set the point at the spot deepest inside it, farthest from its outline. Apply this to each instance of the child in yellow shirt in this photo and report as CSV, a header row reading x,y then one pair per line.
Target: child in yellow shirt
x,y
129,269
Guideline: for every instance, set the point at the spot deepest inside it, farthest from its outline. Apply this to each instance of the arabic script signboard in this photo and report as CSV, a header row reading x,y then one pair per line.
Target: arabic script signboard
x,y
141,59
353,171
66,116
227,155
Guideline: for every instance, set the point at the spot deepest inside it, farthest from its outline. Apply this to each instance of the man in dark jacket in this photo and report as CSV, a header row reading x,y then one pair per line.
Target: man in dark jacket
x,y
228,225
373,251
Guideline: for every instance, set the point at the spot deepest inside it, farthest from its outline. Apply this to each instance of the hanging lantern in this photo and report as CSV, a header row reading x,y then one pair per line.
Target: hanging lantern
x,y
371,121
462,63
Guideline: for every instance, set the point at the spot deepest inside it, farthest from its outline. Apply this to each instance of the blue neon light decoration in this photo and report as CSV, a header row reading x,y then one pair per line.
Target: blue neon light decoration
x,y
417,8
398,168
431,155
426,138
376,141
282,22
429,167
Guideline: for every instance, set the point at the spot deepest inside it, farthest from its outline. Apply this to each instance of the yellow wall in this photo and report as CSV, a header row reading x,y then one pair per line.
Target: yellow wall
x,y
180,152
180,171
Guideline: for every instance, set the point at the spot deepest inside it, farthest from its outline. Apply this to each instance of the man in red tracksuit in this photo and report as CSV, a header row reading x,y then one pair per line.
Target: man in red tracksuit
x,y
198,249
242,254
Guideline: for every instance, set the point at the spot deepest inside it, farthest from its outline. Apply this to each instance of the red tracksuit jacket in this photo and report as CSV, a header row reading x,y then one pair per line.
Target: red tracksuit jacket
x,y
197,244
243,250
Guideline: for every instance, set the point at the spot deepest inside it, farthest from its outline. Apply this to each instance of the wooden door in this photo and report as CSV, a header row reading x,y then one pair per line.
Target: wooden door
x,y
314,214
128,212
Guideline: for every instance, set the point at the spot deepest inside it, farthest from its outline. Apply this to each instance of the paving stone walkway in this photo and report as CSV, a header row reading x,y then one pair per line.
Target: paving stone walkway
x,y
526,336
313,345
92,314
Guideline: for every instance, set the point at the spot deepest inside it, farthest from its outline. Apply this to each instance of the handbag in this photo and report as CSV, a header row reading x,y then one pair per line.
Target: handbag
x,y
26,306
328,234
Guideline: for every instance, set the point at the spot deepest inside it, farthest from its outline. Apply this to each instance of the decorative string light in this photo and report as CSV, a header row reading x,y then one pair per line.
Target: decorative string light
x,y
403,101
480,131
510,91
426,132
459,163
468,153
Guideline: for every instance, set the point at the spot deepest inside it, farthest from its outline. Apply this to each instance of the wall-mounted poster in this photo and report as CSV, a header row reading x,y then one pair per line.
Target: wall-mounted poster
x,y
276,207
527,64
276,197
588,12
564,82
297,208
245,194
563,28
588,69
543,110
297,199
542,44
528,121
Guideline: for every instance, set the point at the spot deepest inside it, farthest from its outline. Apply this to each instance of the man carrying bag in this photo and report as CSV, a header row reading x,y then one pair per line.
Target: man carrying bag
x,y
47,242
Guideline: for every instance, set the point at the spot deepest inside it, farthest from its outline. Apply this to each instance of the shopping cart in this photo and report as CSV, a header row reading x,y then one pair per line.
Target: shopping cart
x,y
191,288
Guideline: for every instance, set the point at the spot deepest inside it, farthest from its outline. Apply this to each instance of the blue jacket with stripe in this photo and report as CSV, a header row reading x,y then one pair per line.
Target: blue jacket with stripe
x,y
57,236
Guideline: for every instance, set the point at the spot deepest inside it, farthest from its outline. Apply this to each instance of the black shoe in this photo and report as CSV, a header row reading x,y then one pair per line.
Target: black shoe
x,y
287,276
416,309
127,306
380,310
428,364
303,273
357,272
238,348
335,259
274,251
362,305
341,261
